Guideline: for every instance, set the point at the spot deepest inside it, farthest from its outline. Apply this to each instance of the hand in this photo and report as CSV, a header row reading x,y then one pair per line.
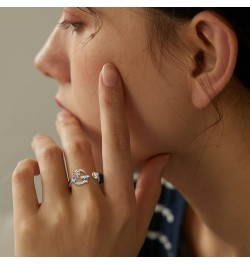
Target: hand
x,y
85,220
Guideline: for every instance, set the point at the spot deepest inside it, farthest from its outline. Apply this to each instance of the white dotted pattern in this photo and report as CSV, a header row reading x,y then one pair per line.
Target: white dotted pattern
x,y
166,212
163,239
167,184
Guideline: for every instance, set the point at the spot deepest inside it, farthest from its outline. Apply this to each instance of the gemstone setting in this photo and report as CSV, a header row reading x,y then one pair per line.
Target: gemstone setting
x,y
79,177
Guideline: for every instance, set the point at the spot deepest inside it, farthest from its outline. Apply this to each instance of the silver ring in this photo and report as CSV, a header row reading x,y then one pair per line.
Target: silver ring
x,y
98,176
79,177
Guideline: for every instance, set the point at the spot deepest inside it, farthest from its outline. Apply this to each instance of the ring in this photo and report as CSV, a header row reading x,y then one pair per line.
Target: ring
x,y
79,177
98,176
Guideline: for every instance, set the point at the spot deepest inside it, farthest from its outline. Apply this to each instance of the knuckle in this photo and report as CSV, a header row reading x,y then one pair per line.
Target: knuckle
x,y
65,122
77,146
22,169
118,140
25,162
19,175
50,152
109,96
38,137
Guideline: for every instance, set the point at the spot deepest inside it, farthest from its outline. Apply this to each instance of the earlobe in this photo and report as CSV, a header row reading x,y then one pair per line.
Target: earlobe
x,y
217,42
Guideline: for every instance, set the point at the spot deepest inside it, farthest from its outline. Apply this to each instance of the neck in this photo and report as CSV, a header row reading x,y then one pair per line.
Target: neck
x,y
216,181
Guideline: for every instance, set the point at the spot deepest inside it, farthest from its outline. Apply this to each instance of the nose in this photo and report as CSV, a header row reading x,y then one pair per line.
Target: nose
x,y
52,59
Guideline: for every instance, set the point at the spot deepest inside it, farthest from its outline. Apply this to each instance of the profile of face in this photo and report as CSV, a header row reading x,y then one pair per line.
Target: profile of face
x,y
160,115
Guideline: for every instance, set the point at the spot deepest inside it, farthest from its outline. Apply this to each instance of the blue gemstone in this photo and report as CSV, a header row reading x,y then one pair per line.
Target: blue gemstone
x,y
85,178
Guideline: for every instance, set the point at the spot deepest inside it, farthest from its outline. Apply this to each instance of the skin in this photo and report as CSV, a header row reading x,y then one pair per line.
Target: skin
x,y
70,221
106,126
78,66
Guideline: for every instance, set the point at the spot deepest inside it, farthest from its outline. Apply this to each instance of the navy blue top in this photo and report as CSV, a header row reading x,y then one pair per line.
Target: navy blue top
x,y
163,237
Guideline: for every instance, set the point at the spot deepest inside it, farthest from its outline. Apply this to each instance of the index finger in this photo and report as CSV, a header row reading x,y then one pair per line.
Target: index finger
x,y
115,136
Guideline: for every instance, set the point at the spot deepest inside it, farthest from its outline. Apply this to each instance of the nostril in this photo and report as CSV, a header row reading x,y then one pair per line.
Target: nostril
x,y
53,64
47,74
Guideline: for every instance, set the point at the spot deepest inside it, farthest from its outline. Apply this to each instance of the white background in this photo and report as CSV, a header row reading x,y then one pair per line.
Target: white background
x,y
26,98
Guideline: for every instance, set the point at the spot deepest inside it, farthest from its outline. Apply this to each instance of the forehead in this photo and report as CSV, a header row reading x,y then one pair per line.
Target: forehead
x,y
106,11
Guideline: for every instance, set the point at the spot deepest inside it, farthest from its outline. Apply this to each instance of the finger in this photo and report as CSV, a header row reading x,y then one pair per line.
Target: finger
x,y
77,151
115,135
24,195
52,169
148,189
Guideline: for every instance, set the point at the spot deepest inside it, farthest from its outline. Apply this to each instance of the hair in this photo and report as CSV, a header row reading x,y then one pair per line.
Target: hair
x,y
163,27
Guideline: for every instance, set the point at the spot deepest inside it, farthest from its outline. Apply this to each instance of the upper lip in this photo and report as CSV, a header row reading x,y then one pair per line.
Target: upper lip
x,y
60,104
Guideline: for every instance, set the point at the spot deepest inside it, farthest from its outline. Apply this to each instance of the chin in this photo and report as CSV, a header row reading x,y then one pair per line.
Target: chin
x,y
137,163
138,158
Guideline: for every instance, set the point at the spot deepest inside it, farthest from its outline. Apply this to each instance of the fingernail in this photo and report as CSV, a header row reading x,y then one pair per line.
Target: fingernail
x,y
110,76
63,115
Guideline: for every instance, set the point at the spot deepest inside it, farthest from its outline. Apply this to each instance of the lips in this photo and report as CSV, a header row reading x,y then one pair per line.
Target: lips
x,y
59,103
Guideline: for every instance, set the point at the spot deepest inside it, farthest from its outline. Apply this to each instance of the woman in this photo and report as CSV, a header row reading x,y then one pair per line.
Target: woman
x,y
162,91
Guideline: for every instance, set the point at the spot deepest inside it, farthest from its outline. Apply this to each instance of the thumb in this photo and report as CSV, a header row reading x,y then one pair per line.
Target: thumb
x,y
148,190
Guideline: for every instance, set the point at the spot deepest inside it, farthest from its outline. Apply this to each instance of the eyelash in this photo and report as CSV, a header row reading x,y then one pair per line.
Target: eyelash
x,y
74,27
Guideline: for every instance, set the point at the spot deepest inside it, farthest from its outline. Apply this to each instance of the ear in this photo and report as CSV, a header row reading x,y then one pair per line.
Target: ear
x,y
216,45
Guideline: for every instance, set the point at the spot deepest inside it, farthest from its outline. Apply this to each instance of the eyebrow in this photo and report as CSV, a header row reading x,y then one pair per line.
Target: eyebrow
x,y
90,10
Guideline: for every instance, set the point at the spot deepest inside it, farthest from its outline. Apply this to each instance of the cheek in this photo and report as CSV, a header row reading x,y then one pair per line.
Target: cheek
x,y
86,65
85,74
143,124
84,92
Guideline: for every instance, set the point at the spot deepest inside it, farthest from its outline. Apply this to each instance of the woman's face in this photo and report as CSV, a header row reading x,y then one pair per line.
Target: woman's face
x,y
155,103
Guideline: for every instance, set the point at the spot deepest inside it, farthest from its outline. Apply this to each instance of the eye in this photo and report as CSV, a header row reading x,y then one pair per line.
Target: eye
x,y
73,26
